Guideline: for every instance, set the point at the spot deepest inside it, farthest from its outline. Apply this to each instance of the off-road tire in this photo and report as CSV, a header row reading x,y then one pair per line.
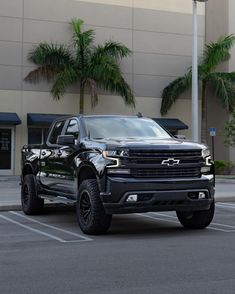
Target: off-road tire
x,y
91,215
31,203
196,219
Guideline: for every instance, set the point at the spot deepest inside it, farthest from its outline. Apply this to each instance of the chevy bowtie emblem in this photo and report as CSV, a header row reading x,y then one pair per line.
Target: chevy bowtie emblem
x,y
170,162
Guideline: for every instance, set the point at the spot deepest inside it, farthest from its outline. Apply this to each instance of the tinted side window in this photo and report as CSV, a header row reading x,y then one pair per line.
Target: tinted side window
x,y
57,130
73,128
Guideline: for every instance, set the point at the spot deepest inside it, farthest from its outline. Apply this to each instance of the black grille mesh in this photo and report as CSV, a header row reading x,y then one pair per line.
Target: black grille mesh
x,y
167,172
148,163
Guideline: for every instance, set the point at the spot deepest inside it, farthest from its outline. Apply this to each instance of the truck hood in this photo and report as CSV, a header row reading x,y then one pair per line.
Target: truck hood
x,y
140,143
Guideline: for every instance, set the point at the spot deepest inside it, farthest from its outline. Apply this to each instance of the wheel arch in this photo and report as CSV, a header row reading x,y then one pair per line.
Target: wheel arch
x,y
87,172
27,170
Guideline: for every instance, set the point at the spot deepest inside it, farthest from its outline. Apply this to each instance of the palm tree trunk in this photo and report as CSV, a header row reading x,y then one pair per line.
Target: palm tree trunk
x,y
82,90
204,116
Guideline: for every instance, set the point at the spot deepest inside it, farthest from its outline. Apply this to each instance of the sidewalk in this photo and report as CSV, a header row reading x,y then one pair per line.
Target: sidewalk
x,y
10,192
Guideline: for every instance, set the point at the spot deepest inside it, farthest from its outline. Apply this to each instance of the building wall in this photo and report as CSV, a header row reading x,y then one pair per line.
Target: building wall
x,y
218,10
158,32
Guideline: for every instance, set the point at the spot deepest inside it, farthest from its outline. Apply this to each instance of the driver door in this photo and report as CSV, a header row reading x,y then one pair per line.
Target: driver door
x,y
57,162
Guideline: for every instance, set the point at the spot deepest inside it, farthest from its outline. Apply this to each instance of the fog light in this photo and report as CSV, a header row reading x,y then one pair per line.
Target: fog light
x,y
202,195
132,198
205,169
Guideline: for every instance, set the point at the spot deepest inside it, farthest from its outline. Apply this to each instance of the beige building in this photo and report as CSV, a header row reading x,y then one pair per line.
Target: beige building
x,y
159,33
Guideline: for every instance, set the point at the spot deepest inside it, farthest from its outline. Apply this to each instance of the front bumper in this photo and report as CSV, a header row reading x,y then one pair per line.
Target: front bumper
x,y
157,195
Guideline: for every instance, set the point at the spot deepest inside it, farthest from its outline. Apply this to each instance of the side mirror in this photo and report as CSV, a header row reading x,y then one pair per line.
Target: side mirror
x,y
66,140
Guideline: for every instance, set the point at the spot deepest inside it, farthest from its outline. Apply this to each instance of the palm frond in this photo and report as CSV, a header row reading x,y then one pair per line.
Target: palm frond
x,y
217,52
50,54
108,75
51,59
67,77
41,73
223,85
174,90
77,23
113,49
82,39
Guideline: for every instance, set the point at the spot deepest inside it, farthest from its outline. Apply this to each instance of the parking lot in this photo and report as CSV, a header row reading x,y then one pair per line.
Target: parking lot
x,y
142,253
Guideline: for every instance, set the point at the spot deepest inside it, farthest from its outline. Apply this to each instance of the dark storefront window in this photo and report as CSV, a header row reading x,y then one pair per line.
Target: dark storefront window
x,y
37,135
5,148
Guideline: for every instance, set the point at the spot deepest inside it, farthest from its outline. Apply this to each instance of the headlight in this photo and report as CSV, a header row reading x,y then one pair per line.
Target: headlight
x,y
207,157
206,153
112,157
107,154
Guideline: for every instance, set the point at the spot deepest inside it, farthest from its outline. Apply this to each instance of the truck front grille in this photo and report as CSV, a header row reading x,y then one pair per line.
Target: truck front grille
x,y
182,172
142,156
149,163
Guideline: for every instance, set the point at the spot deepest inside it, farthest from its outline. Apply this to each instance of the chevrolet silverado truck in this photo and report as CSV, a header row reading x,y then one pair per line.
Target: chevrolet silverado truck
x,y
107,165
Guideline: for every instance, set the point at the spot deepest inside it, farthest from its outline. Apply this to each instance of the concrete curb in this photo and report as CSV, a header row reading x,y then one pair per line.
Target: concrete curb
x,y
228,198
9,207
17,207
224,181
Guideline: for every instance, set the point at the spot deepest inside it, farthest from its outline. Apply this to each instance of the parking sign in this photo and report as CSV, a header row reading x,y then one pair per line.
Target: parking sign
x,y
213,132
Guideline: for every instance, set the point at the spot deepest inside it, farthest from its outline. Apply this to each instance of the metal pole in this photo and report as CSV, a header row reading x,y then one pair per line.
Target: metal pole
x,y
195,135
213,148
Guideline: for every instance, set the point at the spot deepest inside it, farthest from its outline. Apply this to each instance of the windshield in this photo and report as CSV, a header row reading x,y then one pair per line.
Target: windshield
x,y
123,127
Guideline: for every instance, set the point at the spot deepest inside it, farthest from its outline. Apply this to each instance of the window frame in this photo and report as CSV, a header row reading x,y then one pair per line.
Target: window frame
x,y
48,143
79,129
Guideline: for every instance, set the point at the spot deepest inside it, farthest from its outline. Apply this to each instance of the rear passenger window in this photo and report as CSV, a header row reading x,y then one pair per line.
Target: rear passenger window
x,y
73,128
57,130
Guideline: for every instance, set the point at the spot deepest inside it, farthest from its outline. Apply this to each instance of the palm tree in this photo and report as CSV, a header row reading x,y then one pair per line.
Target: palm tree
x,y
221,83
90,66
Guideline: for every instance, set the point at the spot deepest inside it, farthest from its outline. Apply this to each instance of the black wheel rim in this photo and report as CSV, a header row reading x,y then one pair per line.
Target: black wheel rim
x,y
85,207
25,196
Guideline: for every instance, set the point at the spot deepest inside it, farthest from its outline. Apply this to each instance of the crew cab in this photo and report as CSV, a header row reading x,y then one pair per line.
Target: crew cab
x,y
107,165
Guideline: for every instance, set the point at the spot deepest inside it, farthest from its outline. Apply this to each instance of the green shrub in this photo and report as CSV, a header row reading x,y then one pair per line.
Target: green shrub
x,y
229,131
223,167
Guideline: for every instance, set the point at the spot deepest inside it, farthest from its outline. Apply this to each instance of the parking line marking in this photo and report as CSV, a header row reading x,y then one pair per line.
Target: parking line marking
x,y
157,218
52,227
163,214
211,227
226,206
222,225
212,224
32,229
227,203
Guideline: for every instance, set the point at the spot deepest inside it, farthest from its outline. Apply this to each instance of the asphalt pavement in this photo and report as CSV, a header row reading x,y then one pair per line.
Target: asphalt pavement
x,y
142,253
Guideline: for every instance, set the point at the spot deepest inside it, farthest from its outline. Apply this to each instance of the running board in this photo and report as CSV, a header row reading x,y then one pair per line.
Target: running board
x,y
58,199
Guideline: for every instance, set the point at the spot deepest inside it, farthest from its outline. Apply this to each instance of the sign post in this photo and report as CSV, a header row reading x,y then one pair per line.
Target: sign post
x,y
213,134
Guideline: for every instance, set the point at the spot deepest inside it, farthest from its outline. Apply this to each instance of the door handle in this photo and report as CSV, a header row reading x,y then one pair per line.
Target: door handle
x,y
43,153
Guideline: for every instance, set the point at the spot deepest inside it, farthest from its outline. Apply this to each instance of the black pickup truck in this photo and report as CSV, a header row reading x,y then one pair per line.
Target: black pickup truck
x,y
118,164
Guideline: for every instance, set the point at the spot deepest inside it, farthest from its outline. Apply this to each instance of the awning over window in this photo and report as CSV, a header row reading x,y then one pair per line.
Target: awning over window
x,y
171,124
42,119
9,118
